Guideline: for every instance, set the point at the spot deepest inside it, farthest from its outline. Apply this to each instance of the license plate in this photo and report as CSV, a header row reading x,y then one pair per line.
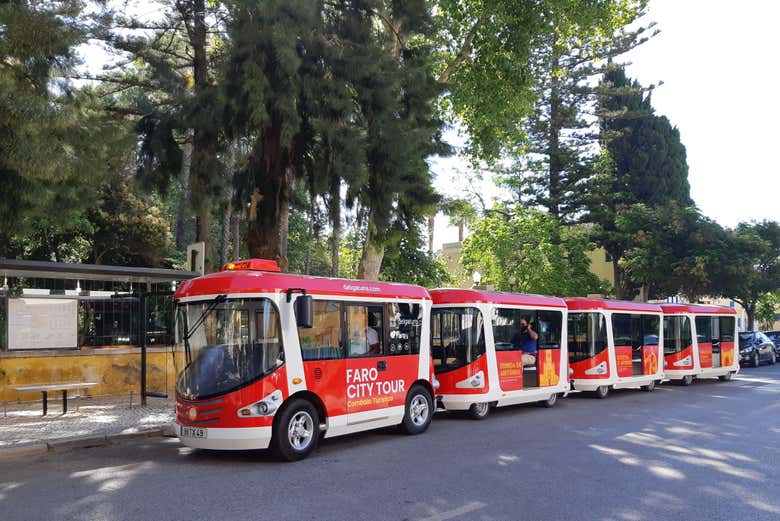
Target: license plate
x,y
193,432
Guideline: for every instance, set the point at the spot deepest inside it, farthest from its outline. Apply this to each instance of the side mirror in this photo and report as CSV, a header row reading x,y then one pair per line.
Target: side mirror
x,y
304,311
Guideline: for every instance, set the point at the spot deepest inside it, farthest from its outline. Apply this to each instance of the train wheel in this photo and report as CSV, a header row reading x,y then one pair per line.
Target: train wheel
x,y
686,380
550,402
726,377
601,392
649,388
296,431
479,411
419,410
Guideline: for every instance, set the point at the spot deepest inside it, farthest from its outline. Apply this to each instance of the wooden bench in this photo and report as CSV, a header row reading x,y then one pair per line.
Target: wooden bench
x,y
64,387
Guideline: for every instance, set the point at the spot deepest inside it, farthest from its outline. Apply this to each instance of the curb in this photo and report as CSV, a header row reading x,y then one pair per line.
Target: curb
x,y
82,442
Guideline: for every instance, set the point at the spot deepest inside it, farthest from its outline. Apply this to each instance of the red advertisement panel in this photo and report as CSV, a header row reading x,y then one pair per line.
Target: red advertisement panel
x,y
510,370
705,355
623,356
379,382
726,354
650,359
680,361
326,378
548,362
449,380
592,368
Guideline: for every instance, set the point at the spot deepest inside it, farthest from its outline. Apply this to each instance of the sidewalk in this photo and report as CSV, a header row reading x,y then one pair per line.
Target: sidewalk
x,y
89,421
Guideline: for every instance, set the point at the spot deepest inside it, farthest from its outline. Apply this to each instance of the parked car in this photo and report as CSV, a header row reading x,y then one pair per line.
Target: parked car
x,y
754,348
774,336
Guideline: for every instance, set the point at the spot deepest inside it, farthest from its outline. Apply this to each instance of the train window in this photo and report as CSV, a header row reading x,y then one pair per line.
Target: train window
x,y
587,334
547,324
458,337
404,327
323,341
727,329
365,332
704,329
677,334
635,330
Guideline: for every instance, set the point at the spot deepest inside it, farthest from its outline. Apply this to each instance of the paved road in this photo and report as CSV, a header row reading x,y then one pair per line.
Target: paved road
x,y
710,451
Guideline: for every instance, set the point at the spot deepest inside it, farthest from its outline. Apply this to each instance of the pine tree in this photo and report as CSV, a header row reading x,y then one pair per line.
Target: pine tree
x,y
562,130
642,163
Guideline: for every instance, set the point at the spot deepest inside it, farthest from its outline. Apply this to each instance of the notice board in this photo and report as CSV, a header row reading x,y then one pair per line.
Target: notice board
x,y
38,323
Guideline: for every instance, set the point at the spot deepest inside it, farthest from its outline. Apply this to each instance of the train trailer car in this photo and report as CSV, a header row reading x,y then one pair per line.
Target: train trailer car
x,y
495,349
614,345
699,342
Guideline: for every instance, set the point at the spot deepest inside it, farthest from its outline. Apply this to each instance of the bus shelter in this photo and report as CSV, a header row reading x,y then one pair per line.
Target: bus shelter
x,y
109,324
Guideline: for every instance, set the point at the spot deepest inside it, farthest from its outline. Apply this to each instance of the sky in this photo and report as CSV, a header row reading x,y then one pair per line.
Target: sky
x,y
721,82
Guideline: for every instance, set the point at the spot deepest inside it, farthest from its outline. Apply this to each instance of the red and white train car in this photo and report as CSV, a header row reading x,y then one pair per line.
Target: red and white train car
x,y
699,342
614,344
478,357
275,360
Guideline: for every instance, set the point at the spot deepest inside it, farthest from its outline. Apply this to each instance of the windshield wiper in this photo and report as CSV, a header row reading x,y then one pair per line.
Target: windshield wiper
x,y
189,331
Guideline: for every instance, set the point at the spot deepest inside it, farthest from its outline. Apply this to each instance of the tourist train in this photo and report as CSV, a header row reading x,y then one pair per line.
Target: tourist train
x,y
275,360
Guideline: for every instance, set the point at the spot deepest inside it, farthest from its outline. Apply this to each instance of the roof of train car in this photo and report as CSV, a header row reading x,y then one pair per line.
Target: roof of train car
x,y
467,296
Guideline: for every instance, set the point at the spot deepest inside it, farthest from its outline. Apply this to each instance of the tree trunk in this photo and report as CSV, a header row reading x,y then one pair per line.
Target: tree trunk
x,y
310,232
373,253
554,147
225,233
335,222
461,226
617,274
236,235
431,224
204,141
183,220
750,310
269,213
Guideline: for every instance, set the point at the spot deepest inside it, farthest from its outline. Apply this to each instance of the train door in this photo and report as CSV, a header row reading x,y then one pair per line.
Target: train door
x,y
704,341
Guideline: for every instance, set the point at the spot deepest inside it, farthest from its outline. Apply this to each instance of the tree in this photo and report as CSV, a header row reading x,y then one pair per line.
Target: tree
x,y
642,162
766,310
127,228
407,261
397,98
54,144
529,251
675,250
486,59
562,131
753,269
163,79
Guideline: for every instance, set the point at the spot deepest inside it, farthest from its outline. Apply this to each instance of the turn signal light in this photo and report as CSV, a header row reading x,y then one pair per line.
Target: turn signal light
x,y
296,380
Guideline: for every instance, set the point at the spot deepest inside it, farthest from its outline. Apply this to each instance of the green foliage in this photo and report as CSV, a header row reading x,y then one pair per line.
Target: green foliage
x,y
562,134
766,310
642,165
408,262
486,58
127,228
530,251
675,250
753,269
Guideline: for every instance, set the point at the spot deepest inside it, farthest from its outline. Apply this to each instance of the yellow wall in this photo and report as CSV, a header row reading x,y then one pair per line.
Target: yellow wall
x,y
600,267
116,370
451,255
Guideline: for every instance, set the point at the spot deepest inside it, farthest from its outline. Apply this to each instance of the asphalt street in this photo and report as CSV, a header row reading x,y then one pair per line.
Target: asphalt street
x,y
709,451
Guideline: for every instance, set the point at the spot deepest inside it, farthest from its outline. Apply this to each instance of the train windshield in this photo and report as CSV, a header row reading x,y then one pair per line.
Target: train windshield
x,y
227,344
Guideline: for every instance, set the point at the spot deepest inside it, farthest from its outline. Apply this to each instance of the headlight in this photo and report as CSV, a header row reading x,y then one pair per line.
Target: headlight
x,y
264,407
